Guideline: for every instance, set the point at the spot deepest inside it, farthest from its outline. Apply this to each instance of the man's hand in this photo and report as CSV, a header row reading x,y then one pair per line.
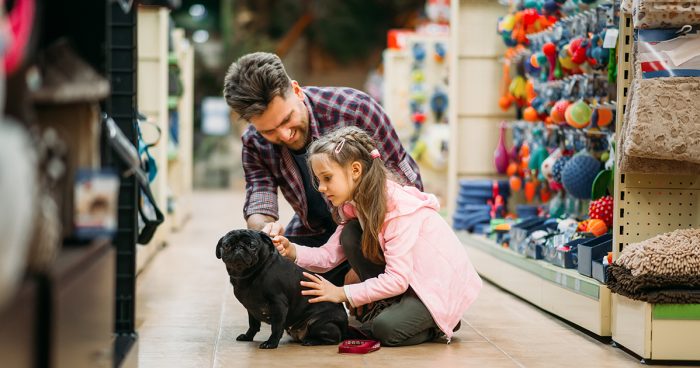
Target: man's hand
x,y
285,247
273,229
323,289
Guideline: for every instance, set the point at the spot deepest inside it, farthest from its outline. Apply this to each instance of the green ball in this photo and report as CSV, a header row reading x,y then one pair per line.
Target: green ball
x,y
580,115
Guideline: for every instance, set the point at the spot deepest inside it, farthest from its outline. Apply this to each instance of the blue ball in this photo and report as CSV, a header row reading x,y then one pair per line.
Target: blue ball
x,y
551,6
578,175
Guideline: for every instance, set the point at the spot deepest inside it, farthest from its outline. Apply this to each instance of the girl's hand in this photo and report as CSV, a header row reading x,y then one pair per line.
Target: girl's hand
x,y
323,289
273,229
285,247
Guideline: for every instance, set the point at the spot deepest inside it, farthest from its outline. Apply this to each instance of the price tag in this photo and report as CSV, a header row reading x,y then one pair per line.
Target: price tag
x,y
610,38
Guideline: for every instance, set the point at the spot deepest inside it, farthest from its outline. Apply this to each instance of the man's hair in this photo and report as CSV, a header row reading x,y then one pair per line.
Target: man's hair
x,y
253,81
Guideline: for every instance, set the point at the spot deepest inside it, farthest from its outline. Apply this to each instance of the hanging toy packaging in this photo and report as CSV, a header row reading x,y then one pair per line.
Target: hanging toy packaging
x,y
669,52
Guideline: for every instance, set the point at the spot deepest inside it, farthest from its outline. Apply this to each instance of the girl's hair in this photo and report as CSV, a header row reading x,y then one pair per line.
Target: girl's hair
x,y
345,146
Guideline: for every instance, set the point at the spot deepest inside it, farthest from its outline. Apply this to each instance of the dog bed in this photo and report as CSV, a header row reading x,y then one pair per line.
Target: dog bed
x,y
672,254
632,163
654,289
663,121
664,13
662,269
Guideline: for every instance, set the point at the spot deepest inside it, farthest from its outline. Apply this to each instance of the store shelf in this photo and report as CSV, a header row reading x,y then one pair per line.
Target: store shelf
x,y
180,168
152,95
20,327
566,293
80,289
657,331
648,205
476,69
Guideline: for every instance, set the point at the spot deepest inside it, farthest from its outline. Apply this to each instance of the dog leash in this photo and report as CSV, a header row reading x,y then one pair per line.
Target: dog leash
x,y
358,346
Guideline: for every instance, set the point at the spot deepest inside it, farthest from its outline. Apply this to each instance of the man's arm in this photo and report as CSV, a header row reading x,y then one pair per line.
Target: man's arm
x,y
265,223
257,221
260,208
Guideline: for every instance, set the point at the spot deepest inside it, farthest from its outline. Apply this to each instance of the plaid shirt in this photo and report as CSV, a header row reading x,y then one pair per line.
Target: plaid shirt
x,y
268,166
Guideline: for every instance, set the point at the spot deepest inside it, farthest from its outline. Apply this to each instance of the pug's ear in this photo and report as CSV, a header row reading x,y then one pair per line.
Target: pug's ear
x,y
218,248
267,240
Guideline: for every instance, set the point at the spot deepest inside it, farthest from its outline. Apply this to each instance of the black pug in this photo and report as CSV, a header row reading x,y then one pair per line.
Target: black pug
x,y
268,286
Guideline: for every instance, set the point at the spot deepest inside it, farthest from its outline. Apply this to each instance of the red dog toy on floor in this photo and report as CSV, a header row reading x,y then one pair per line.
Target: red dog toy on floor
x,y
358,346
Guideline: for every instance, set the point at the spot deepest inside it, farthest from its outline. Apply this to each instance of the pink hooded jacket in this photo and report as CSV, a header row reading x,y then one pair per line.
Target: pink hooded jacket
x,y
420,250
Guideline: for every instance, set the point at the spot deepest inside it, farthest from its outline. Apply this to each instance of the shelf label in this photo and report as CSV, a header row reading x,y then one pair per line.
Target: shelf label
x,y
610,38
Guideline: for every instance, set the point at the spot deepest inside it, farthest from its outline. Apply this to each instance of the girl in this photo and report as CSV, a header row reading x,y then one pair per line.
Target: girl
x,y
405,254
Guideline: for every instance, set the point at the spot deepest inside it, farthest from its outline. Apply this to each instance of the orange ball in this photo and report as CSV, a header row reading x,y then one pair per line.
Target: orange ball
x,y
558,113
603,117
505,102
512,169
596,227
530,114
515,183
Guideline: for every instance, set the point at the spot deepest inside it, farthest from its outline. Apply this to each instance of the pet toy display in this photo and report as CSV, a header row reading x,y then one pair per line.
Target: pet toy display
x,y
559,76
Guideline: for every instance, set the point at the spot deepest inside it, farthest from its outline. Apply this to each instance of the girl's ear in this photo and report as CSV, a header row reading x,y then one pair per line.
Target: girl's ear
x,y
356,170
297,89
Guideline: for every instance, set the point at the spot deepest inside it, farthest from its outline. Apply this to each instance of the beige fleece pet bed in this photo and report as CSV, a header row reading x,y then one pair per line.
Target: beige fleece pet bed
x,y
661,128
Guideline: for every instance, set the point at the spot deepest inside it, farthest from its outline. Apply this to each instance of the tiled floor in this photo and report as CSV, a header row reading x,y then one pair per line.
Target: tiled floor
x,y
187,316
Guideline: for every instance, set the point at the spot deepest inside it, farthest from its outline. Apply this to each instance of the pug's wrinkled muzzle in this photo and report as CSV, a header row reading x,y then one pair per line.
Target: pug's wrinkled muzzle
x,y
242,260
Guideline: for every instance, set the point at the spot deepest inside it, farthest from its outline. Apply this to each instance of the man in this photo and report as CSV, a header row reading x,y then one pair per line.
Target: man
x,y
284,118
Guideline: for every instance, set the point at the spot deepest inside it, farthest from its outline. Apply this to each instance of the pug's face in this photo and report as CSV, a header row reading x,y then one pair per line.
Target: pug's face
x,y
243,249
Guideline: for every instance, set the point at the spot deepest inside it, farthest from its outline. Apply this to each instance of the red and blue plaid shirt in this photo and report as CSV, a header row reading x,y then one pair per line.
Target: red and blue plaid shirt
x,y
268,166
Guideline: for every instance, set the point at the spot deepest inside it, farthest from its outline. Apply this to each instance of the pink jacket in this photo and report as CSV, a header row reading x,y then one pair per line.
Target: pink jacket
x,y
420,250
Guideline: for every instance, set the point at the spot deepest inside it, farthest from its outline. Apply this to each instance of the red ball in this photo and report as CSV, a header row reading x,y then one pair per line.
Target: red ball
x,y
418,117
602,209
549,49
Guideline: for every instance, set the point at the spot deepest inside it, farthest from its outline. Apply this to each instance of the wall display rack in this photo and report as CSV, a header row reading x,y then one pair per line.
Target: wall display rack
x,y
648,205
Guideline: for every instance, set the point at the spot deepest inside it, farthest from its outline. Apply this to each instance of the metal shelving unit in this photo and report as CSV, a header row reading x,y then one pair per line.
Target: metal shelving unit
x,y
647,205
121,47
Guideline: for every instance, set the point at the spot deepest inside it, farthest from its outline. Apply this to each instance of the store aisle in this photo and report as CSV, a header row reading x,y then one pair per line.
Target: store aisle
x,y
187,316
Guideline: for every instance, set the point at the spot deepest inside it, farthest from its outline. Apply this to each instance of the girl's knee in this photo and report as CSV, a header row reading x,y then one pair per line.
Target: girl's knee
x,y
384,330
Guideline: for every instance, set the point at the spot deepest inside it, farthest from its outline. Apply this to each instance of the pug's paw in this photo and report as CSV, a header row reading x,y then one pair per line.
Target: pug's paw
x,y
268,345
244,337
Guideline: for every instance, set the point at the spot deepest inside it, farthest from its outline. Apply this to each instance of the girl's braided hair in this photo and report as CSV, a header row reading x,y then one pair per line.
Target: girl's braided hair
x,y
351,144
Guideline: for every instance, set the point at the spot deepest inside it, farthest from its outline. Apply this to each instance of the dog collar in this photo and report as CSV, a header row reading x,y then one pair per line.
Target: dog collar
x,y
358,346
